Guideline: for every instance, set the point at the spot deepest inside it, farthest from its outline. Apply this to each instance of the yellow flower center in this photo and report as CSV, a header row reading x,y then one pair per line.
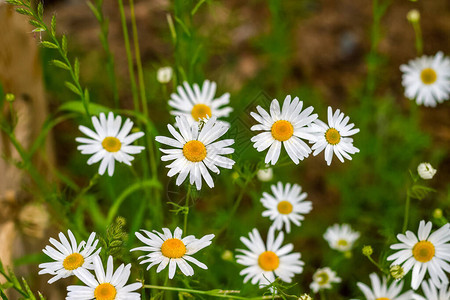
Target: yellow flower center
x,y
173,248
268,261
423,251
285,207
322,278
194,151
332,136
200,111
282,130
105,291
111,144
73,261
342,243
428,76
383,298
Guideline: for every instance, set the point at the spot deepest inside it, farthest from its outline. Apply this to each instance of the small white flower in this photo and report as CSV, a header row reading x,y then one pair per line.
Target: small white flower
x,y
196,150
265,175
196,104
334,137
380,290
426,171
104,286
164,75
167,249
341,237
265,262
286,127
433,293
69,257
424,252
109,142
323,278
305,297
286,205
427,79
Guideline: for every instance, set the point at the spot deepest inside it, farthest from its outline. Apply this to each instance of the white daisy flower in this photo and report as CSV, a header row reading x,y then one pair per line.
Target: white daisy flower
x,y
427,79
426,171
104,286
286,205
380,290
323,278
197,150
286,128
264,262
334,137
109,142
424,252
167,249
69,256
433,293
341,237
199,103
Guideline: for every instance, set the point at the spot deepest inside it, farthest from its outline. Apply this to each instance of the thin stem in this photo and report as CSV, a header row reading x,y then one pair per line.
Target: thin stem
x,y
406,217
126,38
213,293
419,40
137,54
322,295
377,265
186,211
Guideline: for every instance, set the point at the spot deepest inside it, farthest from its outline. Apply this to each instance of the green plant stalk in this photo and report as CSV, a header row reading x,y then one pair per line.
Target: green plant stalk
x,y
322,295
84,95
186,207
110,66
406,217
377,265
137,54
419,39
126,38
213,293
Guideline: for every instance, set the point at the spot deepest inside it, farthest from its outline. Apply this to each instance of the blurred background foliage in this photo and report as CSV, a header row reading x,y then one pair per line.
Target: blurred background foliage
x,y
345,54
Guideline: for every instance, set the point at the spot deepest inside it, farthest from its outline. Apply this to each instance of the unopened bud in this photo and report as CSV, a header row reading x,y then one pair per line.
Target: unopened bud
x,y
227,255
413,16
397,272
265,174
426,171
437,213
305,297
10,97
367,250
164,75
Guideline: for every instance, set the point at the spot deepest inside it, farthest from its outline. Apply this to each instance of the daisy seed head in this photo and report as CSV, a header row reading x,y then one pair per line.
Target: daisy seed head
x,y
173,248
73,261
105,291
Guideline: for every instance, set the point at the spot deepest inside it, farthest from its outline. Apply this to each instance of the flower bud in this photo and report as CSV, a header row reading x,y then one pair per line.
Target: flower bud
x,y
10,97
305,297
413,16
437,213
367,251
227,255
265,175
426,171
397,272
164,75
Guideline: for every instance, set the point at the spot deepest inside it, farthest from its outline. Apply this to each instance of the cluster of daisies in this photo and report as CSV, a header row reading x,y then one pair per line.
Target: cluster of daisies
x,y
79,259
196,146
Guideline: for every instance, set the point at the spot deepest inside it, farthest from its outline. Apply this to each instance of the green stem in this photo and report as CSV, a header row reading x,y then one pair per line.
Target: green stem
x,y
377,265
419,40
322,295
126,38
186,211
406,217
137,54
213,293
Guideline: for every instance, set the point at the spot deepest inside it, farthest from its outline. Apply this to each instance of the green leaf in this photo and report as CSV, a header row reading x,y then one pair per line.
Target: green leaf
x,y
197,6
64,44
40,296
48,44
28,290
60,64
78,107
183,26
72,87
2,294
36,24
95,11
24,11
420,192
76,68
40,10
14,2
53,25
86,95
